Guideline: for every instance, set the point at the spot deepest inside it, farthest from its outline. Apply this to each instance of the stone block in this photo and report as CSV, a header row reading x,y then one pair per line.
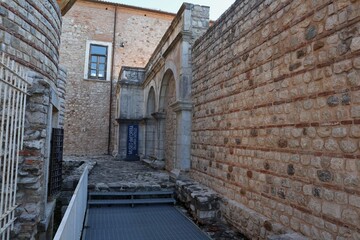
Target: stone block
x,y
355,44
355,111
331,209
349,145
354,201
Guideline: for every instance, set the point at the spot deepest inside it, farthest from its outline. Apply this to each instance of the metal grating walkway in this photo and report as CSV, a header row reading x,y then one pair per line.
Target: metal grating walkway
x,y
158,222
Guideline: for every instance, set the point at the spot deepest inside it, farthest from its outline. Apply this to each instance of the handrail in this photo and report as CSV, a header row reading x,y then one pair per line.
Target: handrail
x,y
72,223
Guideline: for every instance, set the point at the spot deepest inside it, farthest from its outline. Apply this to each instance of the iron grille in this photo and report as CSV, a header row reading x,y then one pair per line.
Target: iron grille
x,y
56,157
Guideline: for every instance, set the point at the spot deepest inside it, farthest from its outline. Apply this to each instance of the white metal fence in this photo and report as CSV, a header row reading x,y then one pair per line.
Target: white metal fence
x,y
13,90
72,223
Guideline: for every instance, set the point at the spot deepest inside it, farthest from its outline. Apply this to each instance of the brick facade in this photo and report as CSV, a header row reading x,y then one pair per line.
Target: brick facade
x,y
137,33
276,116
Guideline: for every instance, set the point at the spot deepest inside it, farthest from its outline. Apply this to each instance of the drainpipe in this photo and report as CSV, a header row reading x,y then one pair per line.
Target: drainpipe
x,y
111,81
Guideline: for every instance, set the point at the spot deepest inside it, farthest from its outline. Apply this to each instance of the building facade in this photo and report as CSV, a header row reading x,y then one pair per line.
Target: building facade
x,y
97,39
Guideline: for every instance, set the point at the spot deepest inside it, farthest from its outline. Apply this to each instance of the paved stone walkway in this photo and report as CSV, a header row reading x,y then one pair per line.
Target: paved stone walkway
x,y
114,175
110,174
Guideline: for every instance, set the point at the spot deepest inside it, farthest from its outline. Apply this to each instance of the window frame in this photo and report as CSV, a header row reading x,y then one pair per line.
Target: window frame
x,y
107,61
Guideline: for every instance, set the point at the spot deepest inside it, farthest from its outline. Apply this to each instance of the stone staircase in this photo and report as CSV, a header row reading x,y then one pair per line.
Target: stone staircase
x,y
97,199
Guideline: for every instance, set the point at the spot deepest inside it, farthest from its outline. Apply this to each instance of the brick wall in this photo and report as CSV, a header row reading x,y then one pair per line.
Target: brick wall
x,y
276,123
30,34
138,31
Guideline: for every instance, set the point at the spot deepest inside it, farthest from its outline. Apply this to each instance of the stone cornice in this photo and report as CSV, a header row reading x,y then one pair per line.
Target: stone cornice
x,y
126,120
181,106
158,115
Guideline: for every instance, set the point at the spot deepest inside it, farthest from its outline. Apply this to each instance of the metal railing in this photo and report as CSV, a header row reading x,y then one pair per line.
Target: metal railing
x,y
72,223
13,90
56,157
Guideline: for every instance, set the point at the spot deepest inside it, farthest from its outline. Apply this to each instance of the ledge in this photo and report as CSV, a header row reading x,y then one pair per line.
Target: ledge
x,y
126,120
49,211
96,80
181,106
159,115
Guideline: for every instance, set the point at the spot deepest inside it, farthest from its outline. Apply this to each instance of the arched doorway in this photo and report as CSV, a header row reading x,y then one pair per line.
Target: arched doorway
x,y
167,136
150,125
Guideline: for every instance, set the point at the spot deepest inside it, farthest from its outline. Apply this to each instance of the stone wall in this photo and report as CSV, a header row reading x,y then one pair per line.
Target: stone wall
x,y
170,127
30,34
277,116
88,101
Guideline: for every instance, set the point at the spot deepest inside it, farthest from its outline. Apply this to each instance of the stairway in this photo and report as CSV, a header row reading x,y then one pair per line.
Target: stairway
x,y
130,198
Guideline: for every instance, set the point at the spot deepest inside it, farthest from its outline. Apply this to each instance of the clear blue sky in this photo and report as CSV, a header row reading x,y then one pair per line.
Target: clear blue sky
x,y
217,7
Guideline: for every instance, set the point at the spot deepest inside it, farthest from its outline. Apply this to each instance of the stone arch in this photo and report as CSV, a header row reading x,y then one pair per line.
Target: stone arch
x,y
151,87
167,136
150,137
168,78
170,73
150,104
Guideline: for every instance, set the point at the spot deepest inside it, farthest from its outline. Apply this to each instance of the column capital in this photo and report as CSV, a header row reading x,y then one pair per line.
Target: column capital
x,y
179,106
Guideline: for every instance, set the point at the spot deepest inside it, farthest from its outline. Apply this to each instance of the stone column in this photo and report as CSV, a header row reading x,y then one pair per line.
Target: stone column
x,y
150,137
183,134
160,134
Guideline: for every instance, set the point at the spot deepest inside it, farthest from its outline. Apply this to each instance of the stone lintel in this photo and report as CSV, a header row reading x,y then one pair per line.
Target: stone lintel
x,y
158,115
134,121
181,106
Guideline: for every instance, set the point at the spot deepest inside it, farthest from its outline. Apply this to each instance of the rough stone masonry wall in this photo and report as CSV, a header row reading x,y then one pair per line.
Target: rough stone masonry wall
x,y
276,123
31,182
30,34
87,103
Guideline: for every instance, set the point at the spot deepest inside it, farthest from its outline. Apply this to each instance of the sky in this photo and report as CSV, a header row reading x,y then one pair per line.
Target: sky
x,y
217,7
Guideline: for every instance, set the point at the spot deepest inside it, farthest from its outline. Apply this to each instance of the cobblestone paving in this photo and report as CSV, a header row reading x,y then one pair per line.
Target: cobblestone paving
x,y
110,174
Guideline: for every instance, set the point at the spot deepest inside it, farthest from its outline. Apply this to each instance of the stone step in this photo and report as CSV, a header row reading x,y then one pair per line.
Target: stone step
x,y
125,198
130,201
125,194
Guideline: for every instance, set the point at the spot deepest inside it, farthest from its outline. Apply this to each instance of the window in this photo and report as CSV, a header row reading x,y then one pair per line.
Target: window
x,y
97,61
